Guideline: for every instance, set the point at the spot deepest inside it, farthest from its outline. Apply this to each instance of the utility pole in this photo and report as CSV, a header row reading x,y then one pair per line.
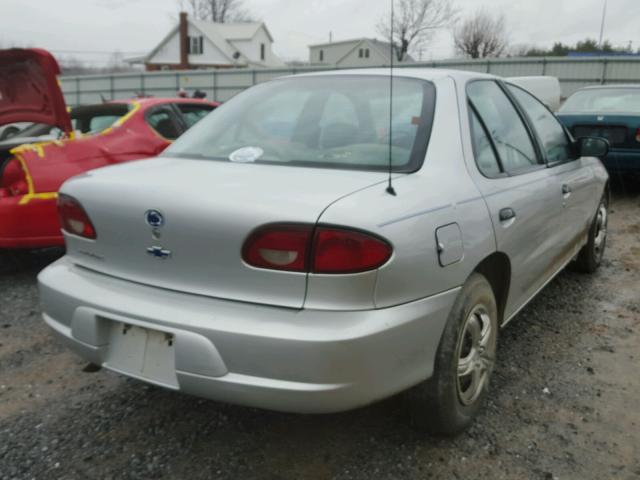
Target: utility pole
x,y
604,15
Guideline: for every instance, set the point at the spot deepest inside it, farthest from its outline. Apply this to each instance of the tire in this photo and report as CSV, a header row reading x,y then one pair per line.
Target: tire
x,y
590,256
446,404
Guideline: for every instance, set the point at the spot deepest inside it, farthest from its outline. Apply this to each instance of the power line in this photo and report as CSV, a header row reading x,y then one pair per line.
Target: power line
x,y
97,52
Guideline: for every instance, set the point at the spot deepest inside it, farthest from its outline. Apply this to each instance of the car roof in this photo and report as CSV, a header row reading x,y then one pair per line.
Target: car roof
x,y
610,86
412,72
148,101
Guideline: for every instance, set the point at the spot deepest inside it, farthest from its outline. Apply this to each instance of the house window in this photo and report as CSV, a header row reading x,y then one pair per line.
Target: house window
x,y
361,53
322,55
195,45
366,53
262,51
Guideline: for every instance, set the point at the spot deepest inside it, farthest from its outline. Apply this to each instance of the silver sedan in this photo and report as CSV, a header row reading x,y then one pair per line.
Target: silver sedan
x,y
314,246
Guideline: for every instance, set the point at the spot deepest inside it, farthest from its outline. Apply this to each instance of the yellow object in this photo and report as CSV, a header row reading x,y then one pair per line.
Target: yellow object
x,y
31,195
123,119
39,149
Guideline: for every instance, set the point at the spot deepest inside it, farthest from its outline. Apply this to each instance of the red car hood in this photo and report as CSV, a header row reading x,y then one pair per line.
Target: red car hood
x,y
29,89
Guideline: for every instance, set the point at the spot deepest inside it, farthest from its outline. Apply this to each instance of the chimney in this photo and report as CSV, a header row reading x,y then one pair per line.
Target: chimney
x,y
184,41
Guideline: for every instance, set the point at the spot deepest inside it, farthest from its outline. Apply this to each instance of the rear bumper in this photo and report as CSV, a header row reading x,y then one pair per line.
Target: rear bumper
x,y
306,361
622,160
29,225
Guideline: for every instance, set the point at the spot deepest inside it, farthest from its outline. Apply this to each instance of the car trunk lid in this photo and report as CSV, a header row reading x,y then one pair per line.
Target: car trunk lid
x,y
29,89
622,131
180,224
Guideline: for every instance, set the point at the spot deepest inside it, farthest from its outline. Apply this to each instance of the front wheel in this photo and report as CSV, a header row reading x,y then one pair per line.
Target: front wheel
x,y
590,256
449,401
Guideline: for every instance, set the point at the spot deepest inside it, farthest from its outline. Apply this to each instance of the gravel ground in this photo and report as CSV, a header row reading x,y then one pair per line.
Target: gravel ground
x,y
564,404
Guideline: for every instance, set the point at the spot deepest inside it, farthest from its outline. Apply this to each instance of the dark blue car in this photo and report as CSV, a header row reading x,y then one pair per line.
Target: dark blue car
x,y
611,112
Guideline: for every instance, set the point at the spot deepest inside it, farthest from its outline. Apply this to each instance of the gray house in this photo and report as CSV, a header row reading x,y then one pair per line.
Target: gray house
x,y
359,52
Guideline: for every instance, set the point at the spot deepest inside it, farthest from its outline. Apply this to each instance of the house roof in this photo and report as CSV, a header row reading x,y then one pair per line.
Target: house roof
x,y
220,34
383,48
234,31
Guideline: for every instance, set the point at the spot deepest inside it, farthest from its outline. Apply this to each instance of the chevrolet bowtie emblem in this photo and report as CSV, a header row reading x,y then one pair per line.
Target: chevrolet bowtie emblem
x,y
159,252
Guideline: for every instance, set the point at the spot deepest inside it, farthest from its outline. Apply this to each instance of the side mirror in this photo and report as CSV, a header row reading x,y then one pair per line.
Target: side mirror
x,y
593,147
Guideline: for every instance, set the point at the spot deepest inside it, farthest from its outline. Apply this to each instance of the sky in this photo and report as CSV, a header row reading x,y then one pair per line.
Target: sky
x,y
90,29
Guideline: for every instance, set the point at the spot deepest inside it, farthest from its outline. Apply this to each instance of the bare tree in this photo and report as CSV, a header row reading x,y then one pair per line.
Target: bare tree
x,y
481,35
414,23
220,11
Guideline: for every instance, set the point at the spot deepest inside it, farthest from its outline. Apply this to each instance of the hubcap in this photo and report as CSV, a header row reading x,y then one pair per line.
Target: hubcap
x,y
476,355
601,230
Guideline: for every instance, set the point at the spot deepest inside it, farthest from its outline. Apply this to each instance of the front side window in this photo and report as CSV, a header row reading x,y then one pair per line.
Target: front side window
x,y
505,126
331,121
551,134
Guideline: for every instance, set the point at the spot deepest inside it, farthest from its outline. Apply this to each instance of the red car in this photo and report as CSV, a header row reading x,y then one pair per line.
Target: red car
x,y
91,137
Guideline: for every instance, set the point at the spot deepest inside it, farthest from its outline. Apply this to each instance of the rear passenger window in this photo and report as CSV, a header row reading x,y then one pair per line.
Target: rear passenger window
x,y
551,133
508,132
485,156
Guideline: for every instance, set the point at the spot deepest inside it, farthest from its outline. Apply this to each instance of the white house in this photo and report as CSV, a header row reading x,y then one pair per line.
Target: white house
x,y
196,44
359,52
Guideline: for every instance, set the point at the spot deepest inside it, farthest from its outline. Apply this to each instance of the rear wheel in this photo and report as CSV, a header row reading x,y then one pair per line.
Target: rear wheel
x,y
449,401
590,256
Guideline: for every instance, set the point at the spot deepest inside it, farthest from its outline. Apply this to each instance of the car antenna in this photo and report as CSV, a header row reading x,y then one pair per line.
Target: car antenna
x,y
390,189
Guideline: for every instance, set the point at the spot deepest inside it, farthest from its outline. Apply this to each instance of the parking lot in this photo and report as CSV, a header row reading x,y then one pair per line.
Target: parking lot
x,y
564,402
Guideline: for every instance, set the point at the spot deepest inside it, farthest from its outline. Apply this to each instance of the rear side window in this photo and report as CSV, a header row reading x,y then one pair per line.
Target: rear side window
x,y
192,114
551,134
507,129
98,124
96,118
485,155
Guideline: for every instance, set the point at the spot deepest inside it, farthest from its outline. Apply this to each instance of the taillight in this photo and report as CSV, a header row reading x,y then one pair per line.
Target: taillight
x,y
347,251
14,180
638,135
73,218
303,248
278,247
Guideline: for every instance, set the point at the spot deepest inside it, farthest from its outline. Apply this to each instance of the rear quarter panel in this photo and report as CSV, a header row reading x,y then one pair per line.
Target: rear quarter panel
x,y
439,194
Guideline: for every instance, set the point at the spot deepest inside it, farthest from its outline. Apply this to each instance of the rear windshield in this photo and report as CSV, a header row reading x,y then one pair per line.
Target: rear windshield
x,y
616,100
324,121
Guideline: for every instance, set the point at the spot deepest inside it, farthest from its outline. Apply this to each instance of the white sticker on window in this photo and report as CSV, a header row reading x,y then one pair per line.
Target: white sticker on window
x,y
246,154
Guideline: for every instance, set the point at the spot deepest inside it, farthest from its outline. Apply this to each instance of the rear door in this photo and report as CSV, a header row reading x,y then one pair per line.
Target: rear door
x,y
519,191
576,187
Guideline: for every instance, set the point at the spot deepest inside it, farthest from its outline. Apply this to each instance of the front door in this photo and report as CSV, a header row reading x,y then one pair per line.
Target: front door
x,y
575,184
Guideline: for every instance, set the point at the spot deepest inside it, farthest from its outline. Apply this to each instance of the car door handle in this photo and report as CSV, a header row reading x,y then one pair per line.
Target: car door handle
x,y
566,190
507,214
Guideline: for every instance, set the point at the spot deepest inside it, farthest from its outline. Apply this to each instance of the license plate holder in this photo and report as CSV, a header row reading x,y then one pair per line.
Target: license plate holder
x,y
142,353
